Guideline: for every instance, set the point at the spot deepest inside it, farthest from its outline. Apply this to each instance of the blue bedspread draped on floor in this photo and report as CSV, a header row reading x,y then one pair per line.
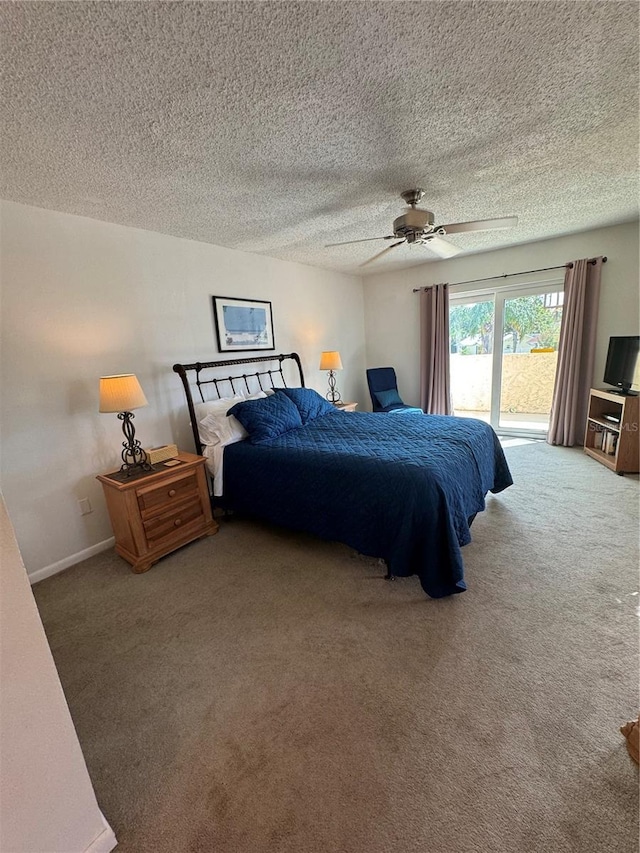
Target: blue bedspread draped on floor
x,y
402,488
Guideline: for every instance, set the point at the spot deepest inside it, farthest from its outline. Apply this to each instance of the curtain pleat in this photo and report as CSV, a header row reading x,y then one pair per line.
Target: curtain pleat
x,y
435,386
576,351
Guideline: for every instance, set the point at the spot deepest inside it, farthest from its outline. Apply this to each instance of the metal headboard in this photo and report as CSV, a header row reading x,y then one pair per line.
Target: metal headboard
x,y
265,380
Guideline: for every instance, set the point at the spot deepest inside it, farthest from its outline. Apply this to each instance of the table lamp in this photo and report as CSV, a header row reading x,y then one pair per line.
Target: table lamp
x,y
331,361
121,394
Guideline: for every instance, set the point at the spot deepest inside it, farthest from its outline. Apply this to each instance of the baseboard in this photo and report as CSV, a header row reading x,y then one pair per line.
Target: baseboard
x,y
105,842
61,565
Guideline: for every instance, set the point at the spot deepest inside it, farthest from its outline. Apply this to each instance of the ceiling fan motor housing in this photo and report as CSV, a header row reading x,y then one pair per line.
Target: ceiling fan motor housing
x,y
413,224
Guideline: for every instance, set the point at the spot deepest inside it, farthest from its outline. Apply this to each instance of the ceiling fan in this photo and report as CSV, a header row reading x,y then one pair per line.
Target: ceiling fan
x,y
417,226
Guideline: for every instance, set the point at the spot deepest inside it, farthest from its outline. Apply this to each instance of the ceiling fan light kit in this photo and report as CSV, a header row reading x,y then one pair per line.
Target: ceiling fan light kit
x,y
417,225
414,224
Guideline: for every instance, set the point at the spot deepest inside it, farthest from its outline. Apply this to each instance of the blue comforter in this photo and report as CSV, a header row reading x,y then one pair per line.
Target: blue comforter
x,y
403,488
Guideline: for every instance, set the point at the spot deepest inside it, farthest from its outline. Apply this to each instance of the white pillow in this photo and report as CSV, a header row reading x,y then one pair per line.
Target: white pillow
x,y
215,427
213,408
222,405
221,429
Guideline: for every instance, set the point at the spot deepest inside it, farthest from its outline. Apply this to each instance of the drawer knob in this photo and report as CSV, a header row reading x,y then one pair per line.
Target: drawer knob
x,y
172,492
177,522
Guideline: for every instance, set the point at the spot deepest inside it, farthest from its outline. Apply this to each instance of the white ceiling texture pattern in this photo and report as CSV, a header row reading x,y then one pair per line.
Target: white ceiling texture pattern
x,y
278,127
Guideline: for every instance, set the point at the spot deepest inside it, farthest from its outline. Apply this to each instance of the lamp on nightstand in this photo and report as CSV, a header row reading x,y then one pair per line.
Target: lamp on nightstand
x,y
121,394
331,361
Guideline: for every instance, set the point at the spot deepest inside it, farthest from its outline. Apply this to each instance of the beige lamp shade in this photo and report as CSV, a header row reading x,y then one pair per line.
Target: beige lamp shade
x,y
121,393
330,360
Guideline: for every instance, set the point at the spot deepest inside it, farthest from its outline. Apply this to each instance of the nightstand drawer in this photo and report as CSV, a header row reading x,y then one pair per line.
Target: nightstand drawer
x,y
172,521
166,494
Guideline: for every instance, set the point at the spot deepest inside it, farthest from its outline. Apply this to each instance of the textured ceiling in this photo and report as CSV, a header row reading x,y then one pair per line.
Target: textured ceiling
x,y
277,127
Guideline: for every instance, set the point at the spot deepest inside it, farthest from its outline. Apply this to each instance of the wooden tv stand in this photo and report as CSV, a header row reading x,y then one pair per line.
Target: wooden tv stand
x,y
624,433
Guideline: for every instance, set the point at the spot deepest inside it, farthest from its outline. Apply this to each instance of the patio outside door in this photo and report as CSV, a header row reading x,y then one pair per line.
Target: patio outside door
x,y
504,351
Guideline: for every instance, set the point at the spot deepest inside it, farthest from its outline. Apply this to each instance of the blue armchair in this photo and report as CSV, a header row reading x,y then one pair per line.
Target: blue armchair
x,y
383,387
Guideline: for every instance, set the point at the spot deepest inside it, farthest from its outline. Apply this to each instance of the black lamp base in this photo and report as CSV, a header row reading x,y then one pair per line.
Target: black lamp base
x,y
134,457
332,395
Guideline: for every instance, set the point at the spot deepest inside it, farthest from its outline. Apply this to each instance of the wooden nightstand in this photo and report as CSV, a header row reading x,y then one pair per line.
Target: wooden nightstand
x,y
156,513
346,407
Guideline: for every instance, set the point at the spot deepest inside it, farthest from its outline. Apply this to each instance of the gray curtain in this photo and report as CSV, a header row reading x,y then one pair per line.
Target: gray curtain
x,y
435,390
575,353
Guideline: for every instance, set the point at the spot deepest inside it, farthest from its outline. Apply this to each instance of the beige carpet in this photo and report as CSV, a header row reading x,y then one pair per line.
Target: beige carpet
x,y
265,691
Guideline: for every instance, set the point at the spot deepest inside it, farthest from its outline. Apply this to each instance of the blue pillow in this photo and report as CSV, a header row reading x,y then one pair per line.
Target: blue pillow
x,y
388,398
267,417
308,402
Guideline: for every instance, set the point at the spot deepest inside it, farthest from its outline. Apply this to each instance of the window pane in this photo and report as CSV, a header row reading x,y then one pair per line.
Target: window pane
x,y
529,358
471,343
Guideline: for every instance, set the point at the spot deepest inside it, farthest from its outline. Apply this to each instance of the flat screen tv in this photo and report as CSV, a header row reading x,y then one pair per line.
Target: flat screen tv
x,y
623,366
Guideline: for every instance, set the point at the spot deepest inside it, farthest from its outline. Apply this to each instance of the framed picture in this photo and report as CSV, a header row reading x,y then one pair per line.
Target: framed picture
x,y
243,324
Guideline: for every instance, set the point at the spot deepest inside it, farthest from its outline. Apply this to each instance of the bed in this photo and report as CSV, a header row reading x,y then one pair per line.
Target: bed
x,y
402,489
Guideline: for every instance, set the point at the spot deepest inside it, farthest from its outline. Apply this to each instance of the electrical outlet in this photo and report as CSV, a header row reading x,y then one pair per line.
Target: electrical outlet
x,y
85,506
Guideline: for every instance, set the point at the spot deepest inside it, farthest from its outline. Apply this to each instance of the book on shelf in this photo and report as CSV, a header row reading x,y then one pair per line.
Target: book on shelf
x,y
610,442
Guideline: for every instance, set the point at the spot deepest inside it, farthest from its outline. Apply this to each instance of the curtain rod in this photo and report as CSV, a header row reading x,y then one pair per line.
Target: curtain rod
x,y
509,274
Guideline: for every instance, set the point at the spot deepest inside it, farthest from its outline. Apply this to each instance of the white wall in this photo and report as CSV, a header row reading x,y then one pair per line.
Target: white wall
x,y
391,308
82,299
47,801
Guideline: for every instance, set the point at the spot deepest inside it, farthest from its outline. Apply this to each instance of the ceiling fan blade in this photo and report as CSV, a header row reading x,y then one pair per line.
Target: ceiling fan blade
x,y
383,252
442,248
366,240
481,225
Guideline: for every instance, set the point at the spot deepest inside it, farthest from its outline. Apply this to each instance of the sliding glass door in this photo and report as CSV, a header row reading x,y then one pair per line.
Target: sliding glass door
x,y
504,350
